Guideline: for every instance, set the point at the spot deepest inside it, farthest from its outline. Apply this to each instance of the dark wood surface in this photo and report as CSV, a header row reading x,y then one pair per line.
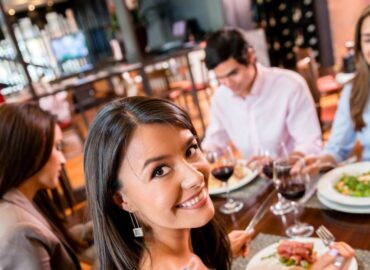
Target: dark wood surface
x,y
353,229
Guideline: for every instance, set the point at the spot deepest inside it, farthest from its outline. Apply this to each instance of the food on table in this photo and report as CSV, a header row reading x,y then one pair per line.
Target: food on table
x,y
296,254
239,173
354,186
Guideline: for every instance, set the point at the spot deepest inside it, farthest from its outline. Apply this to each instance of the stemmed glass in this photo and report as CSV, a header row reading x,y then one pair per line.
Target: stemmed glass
x,y
266,159
292,186
222,163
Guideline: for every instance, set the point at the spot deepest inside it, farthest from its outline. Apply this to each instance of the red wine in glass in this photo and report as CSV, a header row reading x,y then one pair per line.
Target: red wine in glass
x,y
223,173
267,170
292,191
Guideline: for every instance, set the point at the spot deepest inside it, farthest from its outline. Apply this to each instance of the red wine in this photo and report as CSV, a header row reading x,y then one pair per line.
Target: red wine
x,y
292,191
267,170
223,173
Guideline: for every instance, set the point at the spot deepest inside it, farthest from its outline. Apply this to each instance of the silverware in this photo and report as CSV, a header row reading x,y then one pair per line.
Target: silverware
x,y
260,211
325,235
328,238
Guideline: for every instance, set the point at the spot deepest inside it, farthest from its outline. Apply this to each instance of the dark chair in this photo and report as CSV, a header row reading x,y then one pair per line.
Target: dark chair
x,y
319,87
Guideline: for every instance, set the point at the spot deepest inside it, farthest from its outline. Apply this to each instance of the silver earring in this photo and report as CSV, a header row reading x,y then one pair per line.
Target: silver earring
x,y
138,230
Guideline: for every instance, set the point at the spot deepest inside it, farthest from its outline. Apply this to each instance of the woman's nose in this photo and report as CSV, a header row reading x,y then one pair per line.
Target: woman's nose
x,y
62,158
192,177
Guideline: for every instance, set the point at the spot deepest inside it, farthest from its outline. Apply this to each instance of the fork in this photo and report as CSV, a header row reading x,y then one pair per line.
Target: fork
x,y
328,238
325,235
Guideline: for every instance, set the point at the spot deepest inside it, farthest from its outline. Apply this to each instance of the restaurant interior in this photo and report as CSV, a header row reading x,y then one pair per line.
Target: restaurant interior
x,y
73,57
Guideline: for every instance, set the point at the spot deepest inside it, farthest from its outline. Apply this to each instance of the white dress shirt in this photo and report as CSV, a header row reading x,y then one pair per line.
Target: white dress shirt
x,y
279,108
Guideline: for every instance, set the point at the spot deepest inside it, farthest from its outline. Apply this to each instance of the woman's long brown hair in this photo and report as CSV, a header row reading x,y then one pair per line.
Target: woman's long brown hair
x,y
361,82
109,136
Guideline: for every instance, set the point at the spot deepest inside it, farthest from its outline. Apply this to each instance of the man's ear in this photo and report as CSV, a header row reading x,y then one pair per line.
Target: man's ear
x,y
251,56
121,202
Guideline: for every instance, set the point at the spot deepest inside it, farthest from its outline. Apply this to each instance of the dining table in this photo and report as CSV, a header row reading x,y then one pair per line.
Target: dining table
x,y
353,229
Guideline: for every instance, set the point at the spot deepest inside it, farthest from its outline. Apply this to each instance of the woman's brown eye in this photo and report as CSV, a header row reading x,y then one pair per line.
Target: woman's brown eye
x,y
160,171
192,149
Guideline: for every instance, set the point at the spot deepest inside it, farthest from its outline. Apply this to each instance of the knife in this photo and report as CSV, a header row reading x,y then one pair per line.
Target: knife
x,y
260,211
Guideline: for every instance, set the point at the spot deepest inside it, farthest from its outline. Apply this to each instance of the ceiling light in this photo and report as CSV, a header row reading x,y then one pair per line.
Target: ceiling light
x,y
31,7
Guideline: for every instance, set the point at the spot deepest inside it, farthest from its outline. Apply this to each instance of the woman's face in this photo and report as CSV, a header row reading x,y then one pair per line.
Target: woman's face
x,y
365,39
48,176
164,178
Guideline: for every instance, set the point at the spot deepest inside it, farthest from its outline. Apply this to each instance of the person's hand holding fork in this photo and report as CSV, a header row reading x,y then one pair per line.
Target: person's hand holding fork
x,y
329,260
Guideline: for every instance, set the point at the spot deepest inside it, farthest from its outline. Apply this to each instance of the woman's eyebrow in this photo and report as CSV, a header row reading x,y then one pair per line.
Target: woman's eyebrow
x,y
154,159
162,157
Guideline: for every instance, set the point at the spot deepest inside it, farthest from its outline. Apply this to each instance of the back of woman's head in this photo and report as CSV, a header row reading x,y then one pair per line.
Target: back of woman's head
x,y
108,138
361,83
224,44
26,139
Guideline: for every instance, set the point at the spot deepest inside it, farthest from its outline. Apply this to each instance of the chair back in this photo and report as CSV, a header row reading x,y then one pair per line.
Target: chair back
x,y
159,83
307,69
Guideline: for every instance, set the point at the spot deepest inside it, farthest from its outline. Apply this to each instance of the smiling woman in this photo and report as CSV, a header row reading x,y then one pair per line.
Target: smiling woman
x,y
147,177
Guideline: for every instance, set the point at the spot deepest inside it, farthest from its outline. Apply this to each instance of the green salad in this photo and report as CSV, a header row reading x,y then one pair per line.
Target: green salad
x,y
354,186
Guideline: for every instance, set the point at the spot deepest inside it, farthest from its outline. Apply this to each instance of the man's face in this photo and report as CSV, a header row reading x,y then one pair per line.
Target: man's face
x,y
238,77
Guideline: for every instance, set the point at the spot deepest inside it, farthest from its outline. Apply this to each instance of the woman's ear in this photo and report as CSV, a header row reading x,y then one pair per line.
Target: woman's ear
x,y
121,202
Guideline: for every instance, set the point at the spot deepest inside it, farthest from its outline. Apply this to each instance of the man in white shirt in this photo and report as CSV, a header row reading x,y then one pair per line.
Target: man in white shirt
x,y
257,108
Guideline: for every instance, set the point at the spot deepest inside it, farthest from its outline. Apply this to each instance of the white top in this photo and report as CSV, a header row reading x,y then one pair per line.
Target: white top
x,y
278,109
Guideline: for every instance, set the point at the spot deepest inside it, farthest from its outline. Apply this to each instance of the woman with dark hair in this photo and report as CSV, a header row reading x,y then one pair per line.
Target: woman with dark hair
x,y
147,190
352,119
32,236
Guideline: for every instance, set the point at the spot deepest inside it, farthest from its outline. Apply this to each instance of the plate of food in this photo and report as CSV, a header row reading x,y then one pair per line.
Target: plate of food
x,y
344,208
297,254
347,185
242,175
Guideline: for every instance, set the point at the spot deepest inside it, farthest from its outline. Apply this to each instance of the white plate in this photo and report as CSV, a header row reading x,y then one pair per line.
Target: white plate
x,y
234,183
325,186
272,263
344,208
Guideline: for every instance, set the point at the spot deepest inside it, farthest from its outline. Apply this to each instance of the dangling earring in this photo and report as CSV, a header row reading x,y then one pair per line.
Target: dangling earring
x,y
138,231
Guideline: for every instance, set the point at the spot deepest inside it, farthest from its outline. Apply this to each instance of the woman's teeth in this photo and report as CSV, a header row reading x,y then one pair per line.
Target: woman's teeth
x,y
193,201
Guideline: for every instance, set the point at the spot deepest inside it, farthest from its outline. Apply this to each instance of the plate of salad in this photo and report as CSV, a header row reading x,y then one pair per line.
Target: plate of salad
x,y
348,185
297,254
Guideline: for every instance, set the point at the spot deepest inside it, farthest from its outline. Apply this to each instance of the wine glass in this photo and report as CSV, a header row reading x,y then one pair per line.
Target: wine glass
x,y
266,163
222,163
292,186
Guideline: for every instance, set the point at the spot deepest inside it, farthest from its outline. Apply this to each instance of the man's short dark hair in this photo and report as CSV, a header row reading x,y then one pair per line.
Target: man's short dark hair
x,y
223,44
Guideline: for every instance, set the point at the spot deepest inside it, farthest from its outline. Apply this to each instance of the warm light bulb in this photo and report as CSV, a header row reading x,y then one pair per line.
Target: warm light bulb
x,y
31,7
11,12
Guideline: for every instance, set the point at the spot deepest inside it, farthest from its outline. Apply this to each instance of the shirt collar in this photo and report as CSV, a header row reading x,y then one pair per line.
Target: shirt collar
x,y
257,84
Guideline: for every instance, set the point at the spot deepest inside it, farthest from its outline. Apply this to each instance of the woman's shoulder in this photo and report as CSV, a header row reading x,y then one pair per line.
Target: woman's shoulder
x,y
18,225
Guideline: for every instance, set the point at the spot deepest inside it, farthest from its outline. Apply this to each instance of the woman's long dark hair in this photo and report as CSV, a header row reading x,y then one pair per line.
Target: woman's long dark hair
x,y
27,139
108,139
361,82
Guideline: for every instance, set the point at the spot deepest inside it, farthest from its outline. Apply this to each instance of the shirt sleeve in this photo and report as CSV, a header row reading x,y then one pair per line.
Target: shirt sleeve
x,y
216,135
19,252
342,135
302,121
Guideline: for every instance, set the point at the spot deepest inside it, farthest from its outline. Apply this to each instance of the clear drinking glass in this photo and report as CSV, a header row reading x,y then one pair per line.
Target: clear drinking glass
x,y
266,164
292,186
222,163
